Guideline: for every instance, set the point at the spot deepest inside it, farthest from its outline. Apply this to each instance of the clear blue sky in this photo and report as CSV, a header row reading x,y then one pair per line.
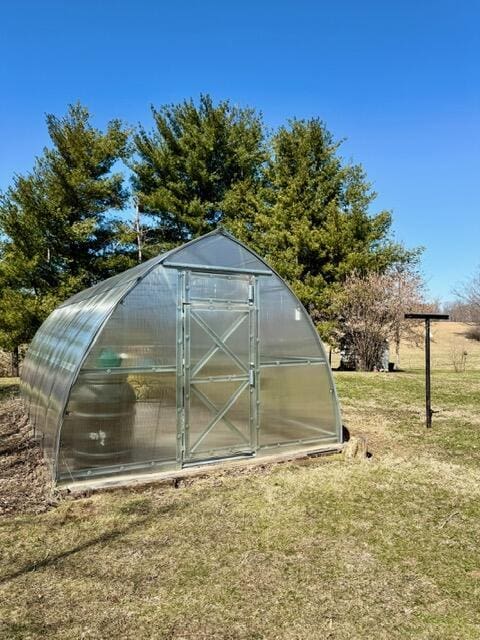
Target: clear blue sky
x,y
400,80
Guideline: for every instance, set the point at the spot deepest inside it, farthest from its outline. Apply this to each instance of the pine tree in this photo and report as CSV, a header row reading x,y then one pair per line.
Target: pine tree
x,y
58,235
198,161
315,226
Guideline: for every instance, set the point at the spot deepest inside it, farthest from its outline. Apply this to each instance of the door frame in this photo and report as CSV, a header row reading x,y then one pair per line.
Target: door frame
x,y
185,385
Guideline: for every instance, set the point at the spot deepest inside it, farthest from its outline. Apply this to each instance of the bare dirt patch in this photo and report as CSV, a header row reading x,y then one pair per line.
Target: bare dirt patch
x,y
24,478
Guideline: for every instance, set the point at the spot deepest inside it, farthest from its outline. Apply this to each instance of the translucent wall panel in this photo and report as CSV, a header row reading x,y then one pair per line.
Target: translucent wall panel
x,y
217,250
128,277
37,352
298,404
122,409
285,328
219,288
206,358
297,398
118,423
141,332
53,359
230,434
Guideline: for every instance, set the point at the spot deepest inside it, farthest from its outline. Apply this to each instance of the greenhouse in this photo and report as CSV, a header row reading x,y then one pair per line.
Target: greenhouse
x,y
198,355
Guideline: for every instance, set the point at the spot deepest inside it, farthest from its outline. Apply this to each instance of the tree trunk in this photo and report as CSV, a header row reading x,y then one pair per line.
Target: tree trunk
x,y
15,362
138,231
356,448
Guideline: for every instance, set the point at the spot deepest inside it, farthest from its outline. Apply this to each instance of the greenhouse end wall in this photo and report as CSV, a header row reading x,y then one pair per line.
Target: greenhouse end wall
x,y
201,354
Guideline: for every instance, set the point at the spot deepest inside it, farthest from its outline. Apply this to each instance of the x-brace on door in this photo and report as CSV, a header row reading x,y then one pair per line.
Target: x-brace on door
x,y
218,365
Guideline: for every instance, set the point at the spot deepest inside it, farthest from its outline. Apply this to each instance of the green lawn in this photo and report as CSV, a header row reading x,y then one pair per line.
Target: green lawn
x,y
382,549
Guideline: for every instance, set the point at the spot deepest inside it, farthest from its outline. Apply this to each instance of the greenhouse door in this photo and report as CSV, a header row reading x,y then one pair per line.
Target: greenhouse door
x,y
218,364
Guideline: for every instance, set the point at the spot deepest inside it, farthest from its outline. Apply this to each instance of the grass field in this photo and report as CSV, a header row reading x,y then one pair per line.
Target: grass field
x,y
449,340
380,549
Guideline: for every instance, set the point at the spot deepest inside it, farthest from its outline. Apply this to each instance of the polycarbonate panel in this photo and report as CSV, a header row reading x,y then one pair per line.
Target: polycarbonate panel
x,y
217,250
122,409
53,359
286,330
128,277
141,331
232,327
230,433
298,404
29,388
117,421
211,286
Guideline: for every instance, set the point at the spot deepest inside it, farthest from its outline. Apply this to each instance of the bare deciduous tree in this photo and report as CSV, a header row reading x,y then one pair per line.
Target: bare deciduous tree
x,y
468,300
471,293
460,311
371,310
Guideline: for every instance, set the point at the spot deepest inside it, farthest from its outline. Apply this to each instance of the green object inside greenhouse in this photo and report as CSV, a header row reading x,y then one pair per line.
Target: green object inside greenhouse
x,y
108,359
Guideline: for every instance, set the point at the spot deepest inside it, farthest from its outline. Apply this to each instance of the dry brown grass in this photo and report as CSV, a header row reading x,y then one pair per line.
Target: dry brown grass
x,y
327,551
380,549
448,339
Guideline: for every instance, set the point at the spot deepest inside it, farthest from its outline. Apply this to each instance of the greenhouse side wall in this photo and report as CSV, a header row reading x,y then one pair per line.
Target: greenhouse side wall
x,y
298,403
121,415
53,359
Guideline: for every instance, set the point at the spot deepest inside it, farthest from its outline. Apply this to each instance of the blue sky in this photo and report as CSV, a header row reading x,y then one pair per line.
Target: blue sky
x,y
398,80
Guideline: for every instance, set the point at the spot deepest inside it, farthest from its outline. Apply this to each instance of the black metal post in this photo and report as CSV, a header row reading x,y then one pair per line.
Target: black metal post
x,y
428,395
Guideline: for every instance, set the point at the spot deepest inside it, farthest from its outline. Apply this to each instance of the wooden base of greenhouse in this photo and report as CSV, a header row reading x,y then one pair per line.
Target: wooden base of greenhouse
x,y
181,476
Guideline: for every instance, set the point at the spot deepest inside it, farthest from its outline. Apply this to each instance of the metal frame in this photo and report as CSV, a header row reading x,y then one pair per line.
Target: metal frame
x,y
112,470
207,268
188,377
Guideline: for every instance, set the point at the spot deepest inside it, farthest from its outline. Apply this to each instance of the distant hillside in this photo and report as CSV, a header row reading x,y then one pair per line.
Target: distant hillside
x,y
448,339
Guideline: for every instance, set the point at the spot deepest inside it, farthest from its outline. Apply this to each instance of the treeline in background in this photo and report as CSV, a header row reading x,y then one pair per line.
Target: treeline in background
x,y
97,202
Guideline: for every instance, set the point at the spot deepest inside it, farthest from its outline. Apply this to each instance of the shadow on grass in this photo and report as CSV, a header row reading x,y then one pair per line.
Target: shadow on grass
x,y
104,537
9,387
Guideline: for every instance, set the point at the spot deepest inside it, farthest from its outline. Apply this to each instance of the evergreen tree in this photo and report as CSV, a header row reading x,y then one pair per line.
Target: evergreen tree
x,y
57,234
291,197
314,224
197,163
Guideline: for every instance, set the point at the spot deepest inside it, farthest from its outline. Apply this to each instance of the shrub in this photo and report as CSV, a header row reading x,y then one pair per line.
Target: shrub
x,y
473,333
